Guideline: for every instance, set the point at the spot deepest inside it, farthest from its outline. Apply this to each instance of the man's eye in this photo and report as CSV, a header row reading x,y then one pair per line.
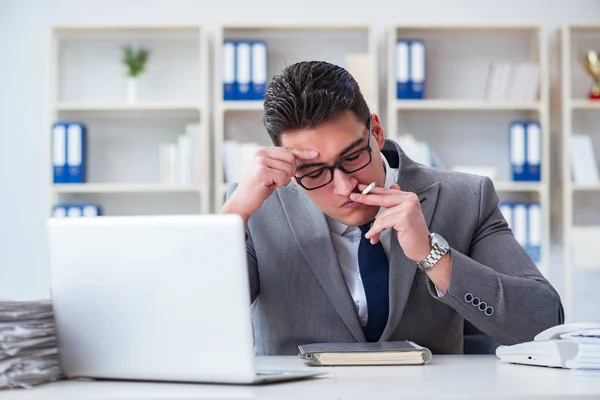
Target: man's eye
x,y
354,158
316,174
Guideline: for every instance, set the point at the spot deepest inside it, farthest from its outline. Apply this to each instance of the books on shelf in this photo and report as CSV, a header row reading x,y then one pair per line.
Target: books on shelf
x,y
76,210
236,156
68,152
525,144
584,165
410,68
245,64
419,151
517,82
180,161
525,220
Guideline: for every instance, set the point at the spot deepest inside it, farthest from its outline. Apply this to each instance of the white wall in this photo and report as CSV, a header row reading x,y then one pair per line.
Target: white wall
x,y
24,27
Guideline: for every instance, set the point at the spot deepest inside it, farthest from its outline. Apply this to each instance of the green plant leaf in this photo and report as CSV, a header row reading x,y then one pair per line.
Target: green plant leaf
x,y
135,61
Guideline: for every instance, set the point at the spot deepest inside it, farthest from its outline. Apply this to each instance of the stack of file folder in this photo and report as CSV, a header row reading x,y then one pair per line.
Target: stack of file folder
x,y
28,352
588,355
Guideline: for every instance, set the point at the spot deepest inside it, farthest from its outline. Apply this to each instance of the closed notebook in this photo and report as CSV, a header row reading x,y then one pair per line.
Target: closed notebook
x,y
377,353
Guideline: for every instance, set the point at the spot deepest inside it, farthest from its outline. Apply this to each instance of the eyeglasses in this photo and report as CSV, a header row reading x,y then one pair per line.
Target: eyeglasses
x,y
351,163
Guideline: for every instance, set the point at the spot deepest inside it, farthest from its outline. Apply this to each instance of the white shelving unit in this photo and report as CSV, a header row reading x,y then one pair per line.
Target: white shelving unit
x,y
286,44
88,85
460,124
581,201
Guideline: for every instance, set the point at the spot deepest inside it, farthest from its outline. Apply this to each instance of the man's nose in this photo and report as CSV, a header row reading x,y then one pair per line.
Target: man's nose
x,y
343,184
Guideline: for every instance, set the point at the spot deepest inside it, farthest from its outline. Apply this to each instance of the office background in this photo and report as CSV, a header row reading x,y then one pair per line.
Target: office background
x,y
28,104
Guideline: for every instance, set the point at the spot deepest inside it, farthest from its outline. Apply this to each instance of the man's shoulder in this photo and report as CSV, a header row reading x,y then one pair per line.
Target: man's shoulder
x,y
449,181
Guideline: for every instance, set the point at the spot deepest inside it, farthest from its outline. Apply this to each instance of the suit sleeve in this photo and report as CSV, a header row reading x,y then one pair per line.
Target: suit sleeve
x,y
514,301
251,256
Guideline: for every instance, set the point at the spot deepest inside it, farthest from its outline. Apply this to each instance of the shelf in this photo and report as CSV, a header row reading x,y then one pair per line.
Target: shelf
x,y
294,27
124,188
241,105
585,187
469,27
465,105
582,104
142,106
79,30
510,186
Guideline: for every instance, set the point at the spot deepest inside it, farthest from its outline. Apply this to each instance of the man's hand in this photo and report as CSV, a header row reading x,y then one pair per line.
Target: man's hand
x,y
271,168
403,213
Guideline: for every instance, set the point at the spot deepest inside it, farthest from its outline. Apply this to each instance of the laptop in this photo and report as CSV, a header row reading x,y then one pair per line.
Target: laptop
x,y
155,298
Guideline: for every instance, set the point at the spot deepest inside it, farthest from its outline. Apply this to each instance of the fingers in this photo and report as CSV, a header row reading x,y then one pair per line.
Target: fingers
x,y
303,154
383,197
287,155
274,177
279,165
382,223
378,199
394,189
276,153
388,211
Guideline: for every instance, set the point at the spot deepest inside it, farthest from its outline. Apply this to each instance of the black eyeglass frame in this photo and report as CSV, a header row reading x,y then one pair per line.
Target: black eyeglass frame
x,y
338,164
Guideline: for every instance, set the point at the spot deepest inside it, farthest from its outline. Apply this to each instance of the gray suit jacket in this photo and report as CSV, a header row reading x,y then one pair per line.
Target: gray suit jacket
x,y
299,295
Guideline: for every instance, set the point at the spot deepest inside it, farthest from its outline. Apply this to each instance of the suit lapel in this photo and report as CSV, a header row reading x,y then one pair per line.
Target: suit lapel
x,y
402,269
311,232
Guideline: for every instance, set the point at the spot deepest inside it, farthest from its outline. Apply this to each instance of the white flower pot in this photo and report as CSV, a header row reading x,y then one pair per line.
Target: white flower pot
x,y
131,90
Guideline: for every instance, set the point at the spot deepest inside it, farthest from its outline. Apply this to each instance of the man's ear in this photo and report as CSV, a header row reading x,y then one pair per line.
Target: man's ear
x,y
377,130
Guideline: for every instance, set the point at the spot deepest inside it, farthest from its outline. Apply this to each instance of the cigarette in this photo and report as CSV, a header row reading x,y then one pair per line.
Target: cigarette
x,y
369,188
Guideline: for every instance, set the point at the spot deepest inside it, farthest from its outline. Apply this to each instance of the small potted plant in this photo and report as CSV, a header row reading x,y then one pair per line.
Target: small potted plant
x,y
135,61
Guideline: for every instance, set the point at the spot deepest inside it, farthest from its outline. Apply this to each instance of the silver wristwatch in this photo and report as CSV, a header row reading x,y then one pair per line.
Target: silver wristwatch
x,y
439,247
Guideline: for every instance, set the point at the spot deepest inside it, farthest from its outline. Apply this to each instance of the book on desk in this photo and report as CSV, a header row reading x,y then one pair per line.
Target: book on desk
x,y
378,353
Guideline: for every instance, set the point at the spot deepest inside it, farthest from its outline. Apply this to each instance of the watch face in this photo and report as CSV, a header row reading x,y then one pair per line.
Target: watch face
x,y
439,241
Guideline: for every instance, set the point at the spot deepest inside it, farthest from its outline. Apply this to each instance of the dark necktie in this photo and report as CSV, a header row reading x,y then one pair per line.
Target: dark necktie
x,y
374,272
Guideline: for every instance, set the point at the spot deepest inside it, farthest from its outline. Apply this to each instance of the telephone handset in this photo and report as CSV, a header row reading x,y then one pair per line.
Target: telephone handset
x,y
549,348
558,331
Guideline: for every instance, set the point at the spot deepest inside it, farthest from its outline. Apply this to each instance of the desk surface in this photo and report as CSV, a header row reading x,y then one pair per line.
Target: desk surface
x,y
446,376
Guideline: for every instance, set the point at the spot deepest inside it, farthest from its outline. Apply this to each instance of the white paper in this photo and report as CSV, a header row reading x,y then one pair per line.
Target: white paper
x,y
28,349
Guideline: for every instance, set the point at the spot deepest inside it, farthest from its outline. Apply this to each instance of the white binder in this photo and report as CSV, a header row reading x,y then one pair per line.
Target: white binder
x,y
229,90
506,210
259,70
534,151
75,146
517,151
417,69
243,70
520,224
74,211
402,69
59,153
535,232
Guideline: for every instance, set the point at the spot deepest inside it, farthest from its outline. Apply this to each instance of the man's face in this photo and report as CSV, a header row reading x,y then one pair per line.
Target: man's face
x,y
334,140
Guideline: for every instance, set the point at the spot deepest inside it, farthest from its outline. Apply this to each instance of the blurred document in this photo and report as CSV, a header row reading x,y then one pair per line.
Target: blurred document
x,y
28,352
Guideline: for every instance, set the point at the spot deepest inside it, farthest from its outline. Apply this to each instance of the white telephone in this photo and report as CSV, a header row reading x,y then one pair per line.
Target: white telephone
x,y
550,348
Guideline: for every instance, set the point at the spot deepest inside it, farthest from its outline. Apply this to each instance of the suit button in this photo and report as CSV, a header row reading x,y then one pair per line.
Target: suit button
x,y
482,306
489,310
476,301
468,297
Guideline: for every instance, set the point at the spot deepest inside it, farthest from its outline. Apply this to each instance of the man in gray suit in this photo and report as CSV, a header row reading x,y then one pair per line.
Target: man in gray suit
x,y
412,259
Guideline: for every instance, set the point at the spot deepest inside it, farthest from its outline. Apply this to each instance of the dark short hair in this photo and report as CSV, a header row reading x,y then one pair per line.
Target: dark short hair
x,y
308,93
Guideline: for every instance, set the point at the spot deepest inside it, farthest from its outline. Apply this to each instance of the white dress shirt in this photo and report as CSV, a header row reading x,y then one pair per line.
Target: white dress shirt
x,y
346,240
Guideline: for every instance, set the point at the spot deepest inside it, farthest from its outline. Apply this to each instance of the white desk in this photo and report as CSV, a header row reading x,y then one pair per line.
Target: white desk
x,y
460,377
